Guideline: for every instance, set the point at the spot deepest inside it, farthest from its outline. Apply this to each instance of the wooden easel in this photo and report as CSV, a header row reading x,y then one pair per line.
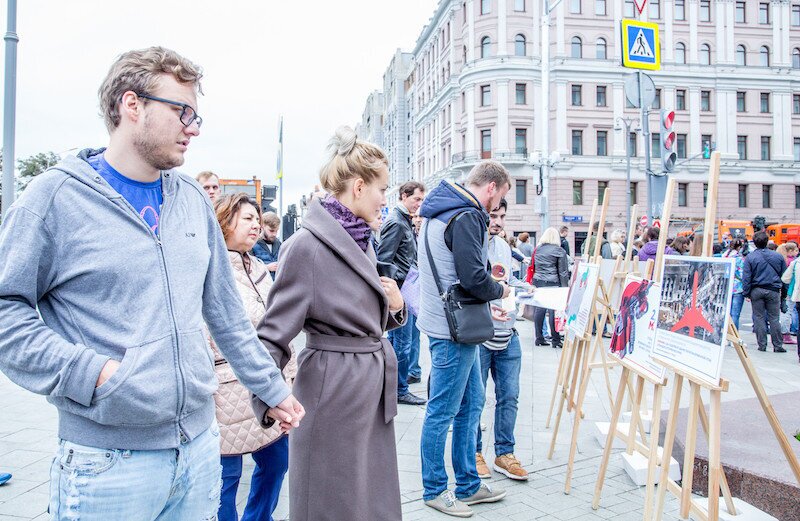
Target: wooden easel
x,y
632,371
711,423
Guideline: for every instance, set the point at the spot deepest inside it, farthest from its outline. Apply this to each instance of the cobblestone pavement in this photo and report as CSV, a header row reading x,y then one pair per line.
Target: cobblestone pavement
x,y
28,441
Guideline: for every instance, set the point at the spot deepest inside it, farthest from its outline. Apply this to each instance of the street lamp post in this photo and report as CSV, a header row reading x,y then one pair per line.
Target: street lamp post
x,y
544,113
9,106
627,123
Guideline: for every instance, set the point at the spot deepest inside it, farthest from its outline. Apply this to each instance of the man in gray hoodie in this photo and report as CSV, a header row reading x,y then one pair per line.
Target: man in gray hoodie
x,y
124,260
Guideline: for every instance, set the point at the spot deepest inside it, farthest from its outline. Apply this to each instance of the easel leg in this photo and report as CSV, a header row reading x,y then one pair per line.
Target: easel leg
x,y
577,369
571,367
714,464
601,476
655,429
565,352
636,415
726,491
669,440
573,446
691,448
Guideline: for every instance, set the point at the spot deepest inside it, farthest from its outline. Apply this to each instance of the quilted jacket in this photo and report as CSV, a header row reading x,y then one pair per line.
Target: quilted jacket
x,y
240,432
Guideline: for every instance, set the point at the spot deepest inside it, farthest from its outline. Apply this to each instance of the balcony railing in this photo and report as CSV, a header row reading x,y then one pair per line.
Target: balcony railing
x,y
472,156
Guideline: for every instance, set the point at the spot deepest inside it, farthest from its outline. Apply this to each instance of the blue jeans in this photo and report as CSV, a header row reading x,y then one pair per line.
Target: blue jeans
x,y
505,366
401,341
272,462
456,397
736,308
413,353
96,484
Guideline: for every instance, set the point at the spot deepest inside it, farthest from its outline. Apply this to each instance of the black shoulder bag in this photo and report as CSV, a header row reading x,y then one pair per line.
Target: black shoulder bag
x,y
468,318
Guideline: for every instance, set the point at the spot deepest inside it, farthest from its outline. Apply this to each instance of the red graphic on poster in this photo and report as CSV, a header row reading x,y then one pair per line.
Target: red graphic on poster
x,y
693,317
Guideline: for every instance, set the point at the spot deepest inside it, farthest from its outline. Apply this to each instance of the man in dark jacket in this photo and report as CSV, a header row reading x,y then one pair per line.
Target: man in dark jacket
x,y
454,235
761,283
269,245
398,247
564,232
588,246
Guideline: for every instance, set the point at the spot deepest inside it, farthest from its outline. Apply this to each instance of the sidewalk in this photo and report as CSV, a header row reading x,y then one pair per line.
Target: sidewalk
x,y
28,441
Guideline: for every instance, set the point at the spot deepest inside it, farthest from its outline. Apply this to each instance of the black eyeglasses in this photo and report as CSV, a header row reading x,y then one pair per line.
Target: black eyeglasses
x,y
188,114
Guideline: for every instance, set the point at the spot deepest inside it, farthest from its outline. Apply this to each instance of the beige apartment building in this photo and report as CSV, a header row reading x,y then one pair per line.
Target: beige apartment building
x,y
730,70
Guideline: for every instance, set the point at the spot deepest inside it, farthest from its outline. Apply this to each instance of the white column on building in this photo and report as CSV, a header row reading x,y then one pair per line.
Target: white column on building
x,y
470,99
730,24
730,149
536,31
782,126
561,117
503,144
724,124
693,15
777,40
617,7
780,18
453,97
470,31
721,20
502,29
668,45
668,98
693,137
561,46
618,99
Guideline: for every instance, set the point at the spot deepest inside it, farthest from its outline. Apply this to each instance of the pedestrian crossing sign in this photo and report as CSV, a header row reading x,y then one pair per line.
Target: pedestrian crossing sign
x,y
640,45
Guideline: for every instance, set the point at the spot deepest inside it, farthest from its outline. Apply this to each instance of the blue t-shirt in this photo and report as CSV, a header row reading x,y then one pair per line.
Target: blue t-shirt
x,y
146,198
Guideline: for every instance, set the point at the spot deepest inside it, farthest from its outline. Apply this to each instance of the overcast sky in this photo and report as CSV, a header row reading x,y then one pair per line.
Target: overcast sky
x,y
313,61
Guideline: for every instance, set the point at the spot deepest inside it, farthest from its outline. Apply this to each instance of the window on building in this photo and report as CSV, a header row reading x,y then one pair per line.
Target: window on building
x,y
796,104
575,6
765,148
601,191
740,102
741,146
797,196
519,6
630,10
519,45
521,92
765,102
521,141
763,12
764,56
577,193
796,58
680,10
740,13
705,100
742,196
486,47
486,95
632,145
680,99
601,96
600,7
522,191
486,6
577,142
680,146
741,55
680,53
577,95
657,100
797,149
766,196
602,143
655,145
654,11
683,189
601,49
796,15
705,10
486,144
634,192
705,54
576,47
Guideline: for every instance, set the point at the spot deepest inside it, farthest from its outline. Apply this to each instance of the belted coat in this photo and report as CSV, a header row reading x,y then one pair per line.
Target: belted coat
x,y
342,458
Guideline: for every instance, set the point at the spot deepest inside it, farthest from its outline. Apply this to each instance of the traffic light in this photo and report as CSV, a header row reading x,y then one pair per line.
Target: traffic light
x,y
708,147
668,138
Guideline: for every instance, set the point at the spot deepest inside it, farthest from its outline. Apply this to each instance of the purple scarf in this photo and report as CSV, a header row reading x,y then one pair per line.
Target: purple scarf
x,y
357,227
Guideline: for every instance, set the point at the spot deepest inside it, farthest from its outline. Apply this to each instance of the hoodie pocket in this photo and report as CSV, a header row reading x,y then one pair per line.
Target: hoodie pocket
x,y
197,364
143,390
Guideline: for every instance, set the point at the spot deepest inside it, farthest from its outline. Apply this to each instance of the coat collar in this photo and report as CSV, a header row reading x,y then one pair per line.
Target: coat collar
x,y
324,227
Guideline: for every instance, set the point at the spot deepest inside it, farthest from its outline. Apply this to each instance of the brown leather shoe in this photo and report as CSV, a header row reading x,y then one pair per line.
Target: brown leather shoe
x,y
509,465
483,468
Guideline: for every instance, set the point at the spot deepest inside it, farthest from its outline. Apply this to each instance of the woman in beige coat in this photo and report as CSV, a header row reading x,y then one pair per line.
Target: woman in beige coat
x,y
342,458
240,431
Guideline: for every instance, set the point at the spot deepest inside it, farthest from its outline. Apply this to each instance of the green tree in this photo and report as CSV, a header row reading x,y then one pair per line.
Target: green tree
x,y
34,165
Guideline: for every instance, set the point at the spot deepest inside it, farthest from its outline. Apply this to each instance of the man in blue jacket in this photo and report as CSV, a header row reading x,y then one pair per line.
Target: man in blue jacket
x,y
456,225
761,283
124,260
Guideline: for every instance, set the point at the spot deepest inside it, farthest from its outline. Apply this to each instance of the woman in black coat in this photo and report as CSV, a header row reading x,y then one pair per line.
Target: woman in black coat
x,y
552,270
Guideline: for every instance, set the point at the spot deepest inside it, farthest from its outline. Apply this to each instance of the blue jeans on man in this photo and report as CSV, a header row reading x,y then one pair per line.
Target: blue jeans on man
x,y
98,484
413,353
455,397
505,366
272,462
401,341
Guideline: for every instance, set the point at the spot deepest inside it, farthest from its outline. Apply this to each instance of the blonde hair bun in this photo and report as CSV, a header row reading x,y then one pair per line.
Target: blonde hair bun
x,y
343,142
350,158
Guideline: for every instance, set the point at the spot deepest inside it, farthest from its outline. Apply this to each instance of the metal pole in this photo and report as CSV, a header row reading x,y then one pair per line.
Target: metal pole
x,y
646,134
544,113
627,124
9,106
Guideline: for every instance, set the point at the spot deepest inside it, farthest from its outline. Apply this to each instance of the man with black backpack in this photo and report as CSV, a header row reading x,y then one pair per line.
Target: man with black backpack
x,y
453,248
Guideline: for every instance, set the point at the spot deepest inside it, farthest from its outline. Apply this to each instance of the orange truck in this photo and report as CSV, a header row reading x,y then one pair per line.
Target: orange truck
x,y
782,233
251,187
741,229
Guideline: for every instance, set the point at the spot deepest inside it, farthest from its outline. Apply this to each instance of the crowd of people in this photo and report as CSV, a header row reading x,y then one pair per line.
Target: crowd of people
x,y
158,316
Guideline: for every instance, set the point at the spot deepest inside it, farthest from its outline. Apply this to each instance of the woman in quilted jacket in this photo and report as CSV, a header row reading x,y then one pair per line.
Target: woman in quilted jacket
x,y
240,431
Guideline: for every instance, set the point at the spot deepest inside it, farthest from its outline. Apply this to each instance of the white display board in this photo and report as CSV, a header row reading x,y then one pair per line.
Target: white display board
x,y
580,303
